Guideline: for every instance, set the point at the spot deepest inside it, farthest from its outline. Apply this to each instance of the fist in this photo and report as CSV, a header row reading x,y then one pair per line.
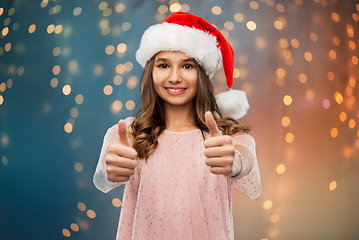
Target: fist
x,y
219,149
121,157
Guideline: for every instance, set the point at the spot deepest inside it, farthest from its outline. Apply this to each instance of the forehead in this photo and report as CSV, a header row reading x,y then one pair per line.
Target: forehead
x,y
172,55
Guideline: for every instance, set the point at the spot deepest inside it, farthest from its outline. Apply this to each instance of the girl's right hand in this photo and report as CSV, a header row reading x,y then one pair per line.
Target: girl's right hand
x,y
121,157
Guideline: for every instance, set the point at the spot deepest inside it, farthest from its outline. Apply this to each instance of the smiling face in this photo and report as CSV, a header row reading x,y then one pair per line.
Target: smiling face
x,y
175,78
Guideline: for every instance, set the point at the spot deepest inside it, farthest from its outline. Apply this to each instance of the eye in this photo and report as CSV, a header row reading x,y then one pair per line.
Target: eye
x,y
163,65
188,66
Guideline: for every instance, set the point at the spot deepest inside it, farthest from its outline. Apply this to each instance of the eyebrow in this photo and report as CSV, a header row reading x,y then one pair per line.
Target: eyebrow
x,y
166,60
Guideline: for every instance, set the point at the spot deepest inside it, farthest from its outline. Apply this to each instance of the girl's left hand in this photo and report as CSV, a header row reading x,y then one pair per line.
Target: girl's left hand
x,y
219,149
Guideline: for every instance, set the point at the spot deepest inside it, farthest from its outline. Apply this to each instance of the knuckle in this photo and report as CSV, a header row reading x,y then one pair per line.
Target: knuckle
x,y
212,171
131,172
135,164
230,150
227,139
205,152
228,171
112,148
111,178
229,161
133,154
109,159
110,170
131,164
207,161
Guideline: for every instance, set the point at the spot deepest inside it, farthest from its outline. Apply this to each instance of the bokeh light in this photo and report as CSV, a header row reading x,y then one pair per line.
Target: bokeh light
x,y
81,206
289,137
334,132
274,218
332,185
116,202
79,99
107,90
302,78
130,105
74,227
287,100
267,204
338,97
251,25
91,213
281,169
121,48
216,10
66,233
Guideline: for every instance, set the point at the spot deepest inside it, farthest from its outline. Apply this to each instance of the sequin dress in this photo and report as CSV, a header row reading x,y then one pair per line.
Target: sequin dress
x,y
174,195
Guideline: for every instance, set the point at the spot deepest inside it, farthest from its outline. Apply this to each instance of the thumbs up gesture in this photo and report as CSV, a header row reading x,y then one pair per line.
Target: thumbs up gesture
x,y
121,157
219,149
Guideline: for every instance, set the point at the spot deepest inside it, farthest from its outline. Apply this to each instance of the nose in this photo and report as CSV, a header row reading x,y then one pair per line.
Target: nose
x,y
175,76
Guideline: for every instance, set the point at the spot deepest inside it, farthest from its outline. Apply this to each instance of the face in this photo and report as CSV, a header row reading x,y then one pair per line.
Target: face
x,y
175,78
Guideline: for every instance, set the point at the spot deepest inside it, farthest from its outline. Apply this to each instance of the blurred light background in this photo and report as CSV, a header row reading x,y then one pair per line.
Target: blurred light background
x,y
68,72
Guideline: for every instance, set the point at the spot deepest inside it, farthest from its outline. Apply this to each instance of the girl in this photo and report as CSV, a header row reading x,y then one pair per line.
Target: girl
x,y
180,159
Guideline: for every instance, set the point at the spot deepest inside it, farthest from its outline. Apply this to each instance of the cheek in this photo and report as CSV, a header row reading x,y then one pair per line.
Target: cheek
x,y
193,82
156,78
157,83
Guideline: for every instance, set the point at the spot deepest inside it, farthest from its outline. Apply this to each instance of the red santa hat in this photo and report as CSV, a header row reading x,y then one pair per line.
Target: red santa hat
x,y
197,38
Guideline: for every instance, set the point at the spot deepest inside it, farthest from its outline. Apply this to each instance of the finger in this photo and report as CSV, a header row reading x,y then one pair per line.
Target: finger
x,y
212,125
116,171
114,160
217,152
214,162
221,170
219,141
122,151
115,179
122,132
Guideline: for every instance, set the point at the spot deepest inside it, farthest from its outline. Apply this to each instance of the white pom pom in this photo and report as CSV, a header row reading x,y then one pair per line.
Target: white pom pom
x,y
233,103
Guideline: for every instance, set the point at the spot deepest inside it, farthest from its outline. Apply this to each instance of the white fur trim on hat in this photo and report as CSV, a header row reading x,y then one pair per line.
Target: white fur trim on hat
x,y
232,103
173,37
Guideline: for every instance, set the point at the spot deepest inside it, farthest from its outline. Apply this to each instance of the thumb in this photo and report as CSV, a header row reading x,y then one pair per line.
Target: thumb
x,y
122,133
212,125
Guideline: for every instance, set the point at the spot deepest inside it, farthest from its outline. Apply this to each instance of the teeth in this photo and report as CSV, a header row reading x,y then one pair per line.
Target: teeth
x,y
175,90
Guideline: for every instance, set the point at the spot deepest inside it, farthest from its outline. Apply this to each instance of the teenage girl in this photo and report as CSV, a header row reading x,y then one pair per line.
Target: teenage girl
x,y
181,157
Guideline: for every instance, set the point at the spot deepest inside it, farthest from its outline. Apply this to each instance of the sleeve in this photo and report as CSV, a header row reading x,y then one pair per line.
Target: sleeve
x,y
250,184
100,176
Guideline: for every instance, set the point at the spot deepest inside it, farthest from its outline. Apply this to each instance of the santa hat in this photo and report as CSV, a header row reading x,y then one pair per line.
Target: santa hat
x,y
197,38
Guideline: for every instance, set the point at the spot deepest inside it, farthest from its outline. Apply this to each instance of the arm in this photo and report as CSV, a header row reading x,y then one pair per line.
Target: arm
x,y
248,181
234,157
243,162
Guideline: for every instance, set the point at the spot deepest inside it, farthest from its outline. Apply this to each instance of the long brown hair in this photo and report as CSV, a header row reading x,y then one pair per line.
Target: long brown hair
x,y
150,121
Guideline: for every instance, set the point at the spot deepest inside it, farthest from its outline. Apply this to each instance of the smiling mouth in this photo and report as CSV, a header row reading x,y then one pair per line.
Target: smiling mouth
x,y
175,90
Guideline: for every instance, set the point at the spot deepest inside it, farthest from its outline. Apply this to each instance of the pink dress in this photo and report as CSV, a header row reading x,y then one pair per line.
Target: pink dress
x,y
174,195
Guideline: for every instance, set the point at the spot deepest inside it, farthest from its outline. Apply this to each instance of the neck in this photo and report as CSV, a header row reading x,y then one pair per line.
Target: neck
x,y
179,119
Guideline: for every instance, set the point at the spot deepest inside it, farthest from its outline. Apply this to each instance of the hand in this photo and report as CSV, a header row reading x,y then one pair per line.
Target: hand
x,y
219,149
121,157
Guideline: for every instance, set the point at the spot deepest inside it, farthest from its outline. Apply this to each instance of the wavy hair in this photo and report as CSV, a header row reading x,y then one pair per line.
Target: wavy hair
x,y
150,121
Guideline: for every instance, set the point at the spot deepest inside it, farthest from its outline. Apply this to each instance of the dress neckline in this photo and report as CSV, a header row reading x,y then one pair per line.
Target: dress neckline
x,y
190,131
